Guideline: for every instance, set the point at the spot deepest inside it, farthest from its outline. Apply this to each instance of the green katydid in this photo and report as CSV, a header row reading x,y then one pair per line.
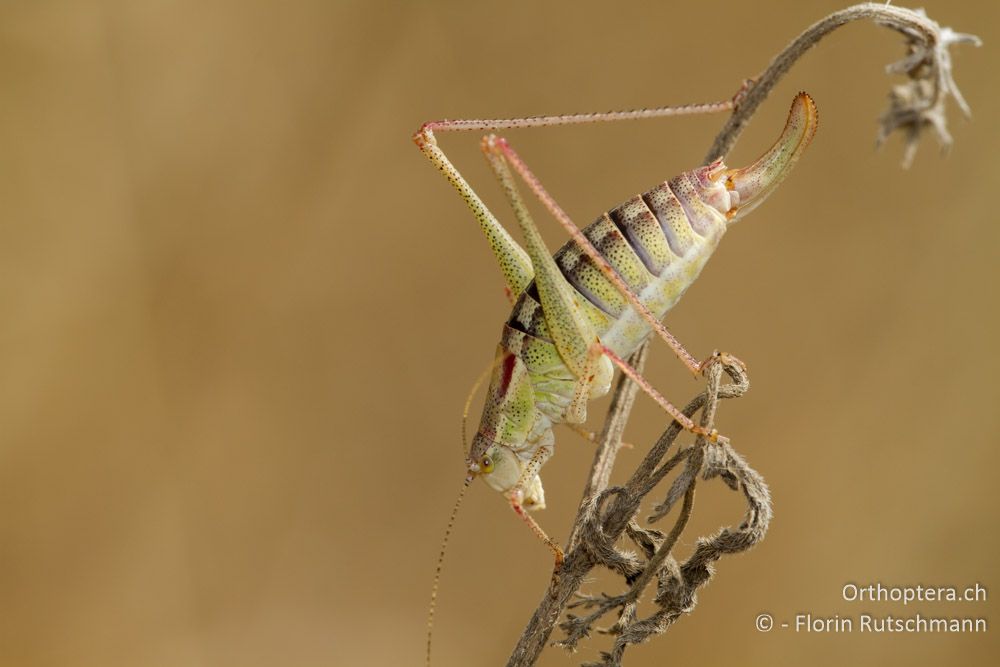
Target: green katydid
x,y
580,313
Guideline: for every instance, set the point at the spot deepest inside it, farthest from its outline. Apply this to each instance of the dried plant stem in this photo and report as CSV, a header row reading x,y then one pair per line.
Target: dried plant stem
x,y
578,563
606,513
914,24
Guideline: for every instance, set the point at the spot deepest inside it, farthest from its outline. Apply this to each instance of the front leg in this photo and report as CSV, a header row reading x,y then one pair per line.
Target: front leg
x,y
516,498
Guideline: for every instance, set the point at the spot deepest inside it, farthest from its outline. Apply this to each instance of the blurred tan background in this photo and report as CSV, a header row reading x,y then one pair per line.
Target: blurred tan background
x,y
241,314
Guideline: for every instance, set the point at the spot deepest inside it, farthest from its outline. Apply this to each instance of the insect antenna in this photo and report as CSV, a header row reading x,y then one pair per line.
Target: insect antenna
x,y
454,510
440,565
468,402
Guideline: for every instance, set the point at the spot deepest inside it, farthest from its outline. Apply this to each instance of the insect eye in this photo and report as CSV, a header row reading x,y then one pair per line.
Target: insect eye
x,y
487,464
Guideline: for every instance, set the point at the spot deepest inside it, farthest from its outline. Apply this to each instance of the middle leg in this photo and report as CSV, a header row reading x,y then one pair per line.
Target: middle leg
x,y
516,499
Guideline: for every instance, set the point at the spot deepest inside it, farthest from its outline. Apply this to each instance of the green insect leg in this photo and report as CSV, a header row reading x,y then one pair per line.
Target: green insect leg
x,y
514,262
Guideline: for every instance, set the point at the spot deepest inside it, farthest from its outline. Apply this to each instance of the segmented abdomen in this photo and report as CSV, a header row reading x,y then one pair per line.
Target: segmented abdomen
x,y
657,242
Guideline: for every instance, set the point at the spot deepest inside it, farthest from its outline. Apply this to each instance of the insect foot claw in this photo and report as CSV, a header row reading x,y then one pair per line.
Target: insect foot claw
x,y
713,359
425,136
712,436
557,568
742,93
727,360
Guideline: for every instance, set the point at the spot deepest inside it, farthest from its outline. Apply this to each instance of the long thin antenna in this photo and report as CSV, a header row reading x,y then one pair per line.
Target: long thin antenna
x,y
440,565
454,510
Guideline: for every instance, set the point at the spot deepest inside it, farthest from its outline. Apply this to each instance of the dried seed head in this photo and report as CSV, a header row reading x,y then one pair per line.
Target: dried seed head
x,y
919,103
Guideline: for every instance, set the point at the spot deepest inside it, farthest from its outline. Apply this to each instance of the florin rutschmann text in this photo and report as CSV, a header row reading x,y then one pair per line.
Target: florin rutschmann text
x,y
875,594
